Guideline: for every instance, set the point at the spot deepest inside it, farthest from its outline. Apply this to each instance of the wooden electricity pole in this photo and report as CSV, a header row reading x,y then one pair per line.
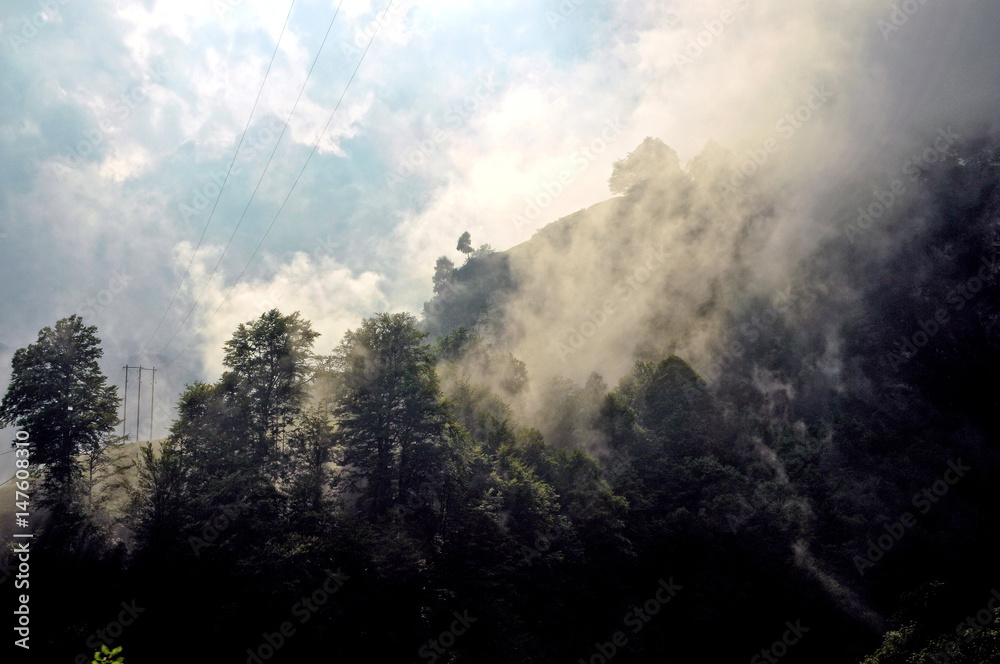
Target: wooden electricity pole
x,y
138,400
125,405
138,406
151,401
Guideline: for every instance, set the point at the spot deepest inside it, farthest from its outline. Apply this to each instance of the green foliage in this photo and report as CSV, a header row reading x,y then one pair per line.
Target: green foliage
x,y
157,499
522,502
58,394
306,472
269,361
911,643
548,511
464,295
455,344
482,413
106,656
443,271
572,412
390,423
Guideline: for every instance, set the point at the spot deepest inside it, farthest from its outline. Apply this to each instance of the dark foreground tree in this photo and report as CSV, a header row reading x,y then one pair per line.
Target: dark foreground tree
x,y
269,362
58,395
389,417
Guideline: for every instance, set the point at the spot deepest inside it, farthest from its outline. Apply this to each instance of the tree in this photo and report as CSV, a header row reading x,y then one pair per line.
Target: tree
x,y
443,271
57,394
389,418
156,501
102,458
269,360
309,453
208,436
652,160
107,656
465,243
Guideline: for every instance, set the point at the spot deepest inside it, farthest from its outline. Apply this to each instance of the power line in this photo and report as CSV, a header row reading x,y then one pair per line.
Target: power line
x,y
187,270
257,187
294,184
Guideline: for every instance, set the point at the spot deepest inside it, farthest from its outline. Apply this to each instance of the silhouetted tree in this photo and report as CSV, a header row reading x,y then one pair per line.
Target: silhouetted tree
x,y
58,395
443,271
651,160
389,414
157,498
269,360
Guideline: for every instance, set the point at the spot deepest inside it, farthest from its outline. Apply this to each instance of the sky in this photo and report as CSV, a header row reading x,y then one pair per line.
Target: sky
x,y
120,120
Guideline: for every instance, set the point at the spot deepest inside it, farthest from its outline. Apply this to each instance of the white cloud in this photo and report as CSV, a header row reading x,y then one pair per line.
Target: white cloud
x,y
550,102
326,293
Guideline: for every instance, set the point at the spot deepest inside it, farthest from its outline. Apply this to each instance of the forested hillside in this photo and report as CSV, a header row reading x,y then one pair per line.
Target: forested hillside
x,y
625,439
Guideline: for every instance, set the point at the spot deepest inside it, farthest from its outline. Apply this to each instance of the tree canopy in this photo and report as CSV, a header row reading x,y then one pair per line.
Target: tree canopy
x,y
60,397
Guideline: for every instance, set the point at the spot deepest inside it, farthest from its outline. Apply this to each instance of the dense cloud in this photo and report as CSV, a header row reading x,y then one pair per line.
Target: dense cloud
x,y
118,120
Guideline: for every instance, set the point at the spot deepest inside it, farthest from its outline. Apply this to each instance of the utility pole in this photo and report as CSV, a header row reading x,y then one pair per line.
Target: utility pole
x,y
138,405
151,400
125,405
138,398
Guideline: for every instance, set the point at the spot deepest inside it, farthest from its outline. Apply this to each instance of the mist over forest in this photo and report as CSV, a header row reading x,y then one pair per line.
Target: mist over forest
x,y
715,382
